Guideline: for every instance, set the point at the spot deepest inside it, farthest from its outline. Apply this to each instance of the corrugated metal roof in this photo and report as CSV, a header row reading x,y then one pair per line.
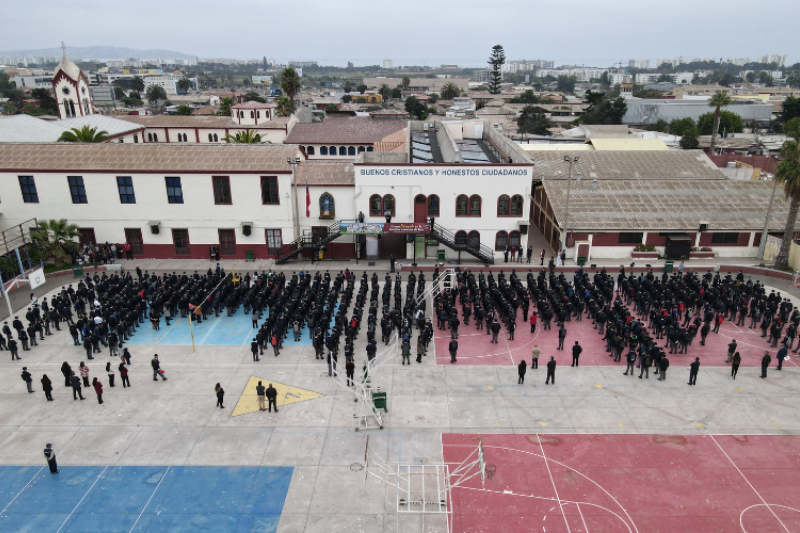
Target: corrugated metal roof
x,y
621,165
629,144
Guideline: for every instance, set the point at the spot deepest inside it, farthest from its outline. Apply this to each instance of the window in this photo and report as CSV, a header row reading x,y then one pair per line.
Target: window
x,y
274,241
77,190
323,150
210,138
216,139
461,205
269,190
724,238
227,242
133,236
332,150
433,205
501,240
181,239
310,150
369,148
474,205
258,114
86,236
375,206
503,206
388,205
342,150
351,150
474,239
513,238
252,115
136,139
360,149
28,188
155,137
630,238
516,205
149,137
461,238
222,190
174,190
327,207
125,186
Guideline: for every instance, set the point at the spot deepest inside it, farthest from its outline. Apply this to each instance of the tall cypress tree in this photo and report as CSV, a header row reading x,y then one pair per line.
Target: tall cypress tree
x,y
497,59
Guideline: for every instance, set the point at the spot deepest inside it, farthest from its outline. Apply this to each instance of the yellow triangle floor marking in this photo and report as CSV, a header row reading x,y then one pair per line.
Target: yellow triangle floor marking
x,y
248,401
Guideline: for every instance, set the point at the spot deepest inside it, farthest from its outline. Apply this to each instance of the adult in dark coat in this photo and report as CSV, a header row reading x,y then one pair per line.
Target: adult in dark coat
x,y
522,367
694,368
453,347
67,371
272,397
75,383
47,387
551,371
765,361
576,353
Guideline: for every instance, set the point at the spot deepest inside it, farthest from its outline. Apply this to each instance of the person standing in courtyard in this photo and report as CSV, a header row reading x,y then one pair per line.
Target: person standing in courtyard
x,y
50,457
272,398
350,371
731,350
663,365
765,361
533,320
694,368
28,379
98,389
631,359
47,387
254,348
562,334
123,376
84,371
535,353
156,364
453,347
110,374
576,353
735,362
781,355
522,368
551,371
67,371
220,396
261,393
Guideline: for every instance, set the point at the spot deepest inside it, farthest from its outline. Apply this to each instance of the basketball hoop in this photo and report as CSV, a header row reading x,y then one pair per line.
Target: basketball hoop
x,y
490,470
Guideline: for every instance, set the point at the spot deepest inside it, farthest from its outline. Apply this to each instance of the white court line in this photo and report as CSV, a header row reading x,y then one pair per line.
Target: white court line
x,y
538,437
741,516
750,484
585,527
81,500
21,491
217,321
150,498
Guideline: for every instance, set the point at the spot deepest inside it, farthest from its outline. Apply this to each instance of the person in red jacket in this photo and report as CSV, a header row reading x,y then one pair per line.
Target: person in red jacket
x,y
98,389
533,320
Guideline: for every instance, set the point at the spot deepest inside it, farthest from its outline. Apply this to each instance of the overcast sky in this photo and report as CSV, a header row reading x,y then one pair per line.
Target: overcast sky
x,y
424,32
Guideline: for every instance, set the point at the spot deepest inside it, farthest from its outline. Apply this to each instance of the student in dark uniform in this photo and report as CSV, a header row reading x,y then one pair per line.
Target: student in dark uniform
x,y
576,353
50,456
272,397
694,368
765,361
522,368
551,371
254,348
220,395
453,347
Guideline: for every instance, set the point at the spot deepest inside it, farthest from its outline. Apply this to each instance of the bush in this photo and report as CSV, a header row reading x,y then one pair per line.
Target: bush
x,y
645,248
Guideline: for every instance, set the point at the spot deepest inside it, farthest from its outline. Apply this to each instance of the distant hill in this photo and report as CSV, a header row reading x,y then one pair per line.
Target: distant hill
x,y
102,53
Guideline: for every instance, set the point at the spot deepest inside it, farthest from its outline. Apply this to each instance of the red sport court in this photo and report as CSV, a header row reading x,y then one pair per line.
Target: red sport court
x,y
553,483
475,348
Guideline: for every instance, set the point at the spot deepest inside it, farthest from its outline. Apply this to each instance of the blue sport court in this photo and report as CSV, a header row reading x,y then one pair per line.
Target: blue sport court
x,y
142,499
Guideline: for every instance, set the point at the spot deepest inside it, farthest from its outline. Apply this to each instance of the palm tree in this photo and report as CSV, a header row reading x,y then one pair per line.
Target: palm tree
x,y
225,105
406,82
284,107
788,174
84,135
184,84
243,137
183,109
385,91
290,84
450,91
57,239
137,84
155,93
718,101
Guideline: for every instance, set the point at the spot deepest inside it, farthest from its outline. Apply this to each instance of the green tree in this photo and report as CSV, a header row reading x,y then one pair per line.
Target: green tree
x,y
119,92
766,78
689,139
347,98
284,106
728,122
680,126
566,84
664,78
496,61
406,83
290,84
361,88
533,120
416,108
253,96
331,108
56,239
84,135
791,109
750,77
648,93
183,110
603,109
605,80
130,101
450,90
788,175
348,86
184,84
528,97
155,93
397,93
243,137
792,128
10,109
46,101
433,98
385,91
137,84
718,101
225,105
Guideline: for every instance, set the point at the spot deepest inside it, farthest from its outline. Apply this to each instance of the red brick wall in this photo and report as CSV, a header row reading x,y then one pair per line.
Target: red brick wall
x,y
654,239
608,239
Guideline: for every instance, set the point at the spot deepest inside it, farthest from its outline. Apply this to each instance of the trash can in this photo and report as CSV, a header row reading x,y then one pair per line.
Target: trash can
x,y
440,255
77,271
669,265
379,400
581,260
249,255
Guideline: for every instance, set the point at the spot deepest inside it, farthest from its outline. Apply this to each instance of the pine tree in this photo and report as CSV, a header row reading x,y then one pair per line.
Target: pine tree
x,y
497,59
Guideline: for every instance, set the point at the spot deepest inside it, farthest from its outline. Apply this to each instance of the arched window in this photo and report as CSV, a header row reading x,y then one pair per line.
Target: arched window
x,y
149,137
461,238
86,108
375,206
258,114
369,148
388,205
474,205
327,207
461,205
66,109
210,138
310,150
323,150
513,239
342,150
503,205
516,205
433,205
360,149
72,108
351,150
216,139
136,138
155,137
500,241
332,150
252,115
474,239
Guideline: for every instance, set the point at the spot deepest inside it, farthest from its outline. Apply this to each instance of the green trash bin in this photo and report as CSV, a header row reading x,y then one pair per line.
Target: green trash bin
x,y
77,271
249,255
668,266
581,260
379,400
440,255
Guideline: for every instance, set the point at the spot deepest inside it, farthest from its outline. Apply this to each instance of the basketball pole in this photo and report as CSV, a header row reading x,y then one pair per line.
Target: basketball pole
x,y
7,297
191,313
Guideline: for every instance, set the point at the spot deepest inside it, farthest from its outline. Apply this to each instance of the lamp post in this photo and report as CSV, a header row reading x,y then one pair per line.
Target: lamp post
x,y
571,161
763,242
295,212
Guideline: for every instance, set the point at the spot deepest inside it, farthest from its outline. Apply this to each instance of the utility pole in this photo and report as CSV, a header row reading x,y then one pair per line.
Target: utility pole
x,y
764,234
571,161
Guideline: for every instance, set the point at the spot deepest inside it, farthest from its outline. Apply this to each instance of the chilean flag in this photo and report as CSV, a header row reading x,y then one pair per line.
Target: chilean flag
x,y
308,201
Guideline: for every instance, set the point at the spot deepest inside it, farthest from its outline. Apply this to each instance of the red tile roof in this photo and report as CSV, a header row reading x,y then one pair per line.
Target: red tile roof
x,y
344,130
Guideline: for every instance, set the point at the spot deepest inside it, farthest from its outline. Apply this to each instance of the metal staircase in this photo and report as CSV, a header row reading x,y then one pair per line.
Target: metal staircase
x,y
471,246
307,242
